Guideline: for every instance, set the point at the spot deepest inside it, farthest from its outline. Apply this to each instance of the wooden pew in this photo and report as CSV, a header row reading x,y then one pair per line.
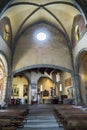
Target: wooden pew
x,y
72,118
61,112
12,118
76,124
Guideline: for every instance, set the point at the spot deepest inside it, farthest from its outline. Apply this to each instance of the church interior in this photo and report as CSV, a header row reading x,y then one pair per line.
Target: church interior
x,y
43,62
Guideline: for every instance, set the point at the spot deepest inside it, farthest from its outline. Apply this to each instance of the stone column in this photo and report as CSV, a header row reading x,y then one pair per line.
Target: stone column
x,y
29,97
8,89
77,90
28,76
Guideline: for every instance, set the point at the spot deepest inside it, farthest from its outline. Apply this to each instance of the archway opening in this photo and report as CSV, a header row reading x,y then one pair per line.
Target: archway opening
x,y
51,84
19,90
83,75
46,89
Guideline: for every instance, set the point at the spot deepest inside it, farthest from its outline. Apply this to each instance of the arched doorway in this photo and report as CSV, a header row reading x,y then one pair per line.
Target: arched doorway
x,y
20,89
46,89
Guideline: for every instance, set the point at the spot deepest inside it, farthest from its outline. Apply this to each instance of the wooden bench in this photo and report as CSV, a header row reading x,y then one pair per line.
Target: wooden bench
x,y
71,117
76,124
12,118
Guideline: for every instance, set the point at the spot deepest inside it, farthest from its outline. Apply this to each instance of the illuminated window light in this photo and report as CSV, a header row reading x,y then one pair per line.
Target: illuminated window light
x,y
77,33
60,88
41,88
41,36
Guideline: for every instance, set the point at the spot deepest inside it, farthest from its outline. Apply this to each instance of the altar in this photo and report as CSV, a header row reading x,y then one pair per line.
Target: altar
x,y
47,100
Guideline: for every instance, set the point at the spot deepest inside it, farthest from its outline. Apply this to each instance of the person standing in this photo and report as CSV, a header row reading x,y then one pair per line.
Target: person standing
x,y
38,98
22,100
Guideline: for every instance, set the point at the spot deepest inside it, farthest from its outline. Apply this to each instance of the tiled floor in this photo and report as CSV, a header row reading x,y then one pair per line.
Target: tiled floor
x,y
41,117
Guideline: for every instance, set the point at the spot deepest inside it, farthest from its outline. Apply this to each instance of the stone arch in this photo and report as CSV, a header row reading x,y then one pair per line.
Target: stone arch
x,y
44,76
81,72
25,85
45,88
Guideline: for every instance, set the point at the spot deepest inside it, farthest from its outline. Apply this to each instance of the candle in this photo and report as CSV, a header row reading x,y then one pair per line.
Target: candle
x,y
60,88
41,87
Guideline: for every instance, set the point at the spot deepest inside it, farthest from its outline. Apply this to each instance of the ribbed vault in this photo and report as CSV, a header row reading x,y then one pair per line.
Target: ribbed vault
x,y
24,14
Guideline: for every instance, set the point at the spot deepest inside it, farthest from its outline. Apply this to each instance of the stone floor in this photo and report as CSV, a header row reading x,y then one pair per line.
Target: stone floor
x,y
41,117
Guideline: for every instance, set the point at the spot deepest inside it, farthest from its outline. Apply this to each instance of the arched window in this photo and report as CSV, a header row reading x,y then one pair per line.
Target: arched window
x,y
77,33
7,33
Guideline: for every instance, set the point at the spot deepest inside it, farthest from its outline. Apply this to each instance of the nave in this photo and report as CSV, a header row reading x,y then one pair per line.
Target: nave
x,y
41,117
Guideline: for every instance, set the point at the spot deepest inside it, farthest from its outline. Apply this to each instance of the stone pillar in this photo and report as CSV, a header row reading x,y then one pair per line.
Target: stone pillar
x,y
8,89
28,76
4,88
29,97
77,90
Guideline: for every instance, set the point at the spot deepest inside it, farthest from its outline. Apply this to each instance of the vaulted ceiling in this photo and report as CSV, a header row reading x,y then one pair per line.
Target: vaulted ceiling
x,y
81,3
22,13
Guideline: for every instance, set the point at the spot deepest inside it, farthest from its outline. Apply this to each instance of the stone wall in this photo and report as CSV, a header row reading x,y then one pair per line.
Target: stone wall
x,y
78,21
54,50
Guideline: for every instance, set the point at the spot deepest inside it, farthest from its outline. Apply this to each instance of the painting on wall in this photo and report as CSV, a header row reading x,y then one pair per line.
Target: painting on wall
x,y
70,92
15,91
68,82
25,90
45,93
